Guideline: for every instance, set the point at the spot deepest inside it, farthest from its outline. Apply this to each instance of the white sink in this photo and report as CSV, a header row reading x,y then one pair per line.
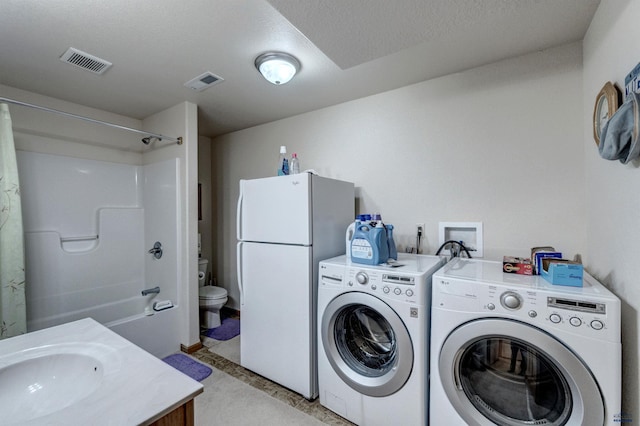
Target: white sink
x,y
82,373
42,380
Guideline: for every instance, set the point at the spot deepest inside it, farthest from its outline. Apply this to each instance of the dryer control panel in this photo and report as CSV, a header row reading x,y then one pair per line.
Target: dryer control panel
x,y
578,314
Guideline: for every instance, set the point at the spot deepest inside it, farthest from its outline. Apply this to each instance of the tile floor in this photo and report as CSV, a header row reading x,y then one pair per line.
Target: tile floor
x,y
236,396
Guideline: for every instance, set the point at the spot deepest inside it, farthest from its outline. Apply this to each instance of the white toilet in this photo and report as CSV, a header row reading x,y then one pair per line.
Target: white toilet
x,y
212,298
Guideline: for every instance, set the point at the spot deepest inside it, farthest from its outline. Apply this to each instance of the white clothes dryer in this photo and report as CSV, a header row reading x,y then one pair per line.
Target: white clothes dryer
x,y
510,349
373,325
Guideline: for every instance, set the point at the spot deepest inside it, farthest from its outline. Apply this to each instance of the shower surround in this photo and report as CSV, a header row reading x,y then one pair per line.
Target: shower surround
x,y
88,228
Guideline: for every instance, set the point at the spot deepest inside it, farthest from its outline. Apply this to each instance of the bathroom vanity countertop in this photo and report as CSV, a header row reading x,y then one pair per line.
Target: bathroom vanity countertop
x,y
132,387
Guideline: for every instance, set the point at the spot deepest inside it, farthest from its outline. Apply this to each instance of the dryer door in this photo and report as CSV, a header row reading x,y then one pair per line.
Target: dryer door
x,y
500,371
367,344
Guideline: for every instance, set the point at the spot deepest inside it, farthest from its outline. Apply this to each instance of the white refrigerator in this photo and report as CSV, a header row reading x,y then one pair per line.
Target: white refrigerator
x,y
285,226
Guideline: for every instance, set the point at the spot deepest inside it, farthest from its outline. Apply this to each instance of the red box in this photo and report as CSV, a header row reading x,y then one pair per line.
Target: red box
x,y
517,265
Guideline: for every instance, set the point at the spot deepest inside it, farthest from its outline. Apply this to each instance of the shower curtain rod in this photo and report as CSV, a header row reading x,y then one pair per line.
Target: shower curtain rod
x,y
68,114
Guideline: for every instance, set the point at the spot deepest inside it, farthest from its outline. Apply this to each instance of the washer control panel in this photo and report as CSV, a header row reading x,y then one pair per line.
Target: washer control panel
x,y
397,286
536,306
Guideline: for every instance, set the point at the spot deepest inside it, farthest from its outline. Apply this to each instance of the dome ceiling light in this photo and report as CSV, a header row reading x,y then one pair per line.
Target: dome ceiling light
x,y
277,68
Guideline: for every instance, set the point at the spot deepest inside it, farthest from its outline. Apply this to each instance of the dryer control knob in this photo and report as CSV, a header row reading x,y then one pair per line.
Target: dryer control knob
x,y
362,278
491,306
597,325
409,292
555,318
575,321
386,289
510,300
397,291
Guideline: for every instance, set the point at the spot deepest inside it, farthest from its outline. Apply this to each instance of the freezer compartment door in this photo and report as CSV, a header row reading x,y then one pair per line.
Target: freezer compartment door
x,y
275,210
278,326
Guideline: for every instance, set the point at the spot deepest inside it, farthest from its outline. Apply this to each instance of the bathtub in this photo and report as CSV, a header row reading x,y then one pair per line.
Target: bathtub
x,y
155,333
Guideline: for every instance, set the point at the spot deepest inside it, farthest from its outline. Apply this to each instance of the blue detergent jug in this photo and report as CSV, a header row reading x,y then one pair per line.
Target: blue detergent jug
x,y
393,252
369,245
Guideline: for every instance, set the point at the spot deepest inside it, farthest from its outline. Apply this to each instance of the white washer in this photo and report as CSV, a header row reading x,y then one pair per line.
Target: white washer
x,y
510,349
373,325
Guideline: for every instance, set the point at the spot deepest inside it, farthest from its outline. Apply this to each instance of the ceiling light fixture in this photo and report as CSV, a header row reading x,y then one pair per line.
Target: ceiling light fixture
x,y
277,68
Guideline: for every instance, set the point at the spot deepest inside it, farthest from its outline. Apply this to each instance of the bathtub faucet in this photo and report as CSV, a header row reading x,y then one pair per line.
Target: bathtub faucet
x,y
155,290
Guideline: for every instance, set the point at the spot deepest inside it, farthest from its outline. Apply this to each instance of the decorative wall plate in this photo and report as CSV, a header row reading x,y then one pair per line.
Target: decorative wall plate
x,y
607,103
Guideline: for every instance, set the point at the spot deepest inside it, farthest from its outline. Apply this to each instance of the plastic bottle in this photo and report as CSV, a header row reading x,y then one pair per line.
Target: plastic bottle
x,y
349,236
361,249
294,165
380,240
393,251
369,244
375,219
283,163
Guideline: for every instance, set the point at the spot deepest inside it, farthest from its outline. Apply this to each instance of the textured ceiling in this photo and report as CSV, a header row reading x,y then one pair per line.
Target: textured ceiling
x,y
348,49
354,32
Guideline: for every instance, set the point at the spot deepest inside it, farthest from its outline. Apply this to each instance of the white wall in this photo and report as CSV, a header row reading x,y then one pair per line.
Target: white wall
x,y
51,133
611,50
500,144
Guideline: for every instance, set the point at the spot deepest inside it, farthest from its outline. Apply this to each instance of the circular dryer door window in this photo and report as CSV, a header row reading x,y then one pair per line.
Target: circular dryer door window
x,y
367,344
515,374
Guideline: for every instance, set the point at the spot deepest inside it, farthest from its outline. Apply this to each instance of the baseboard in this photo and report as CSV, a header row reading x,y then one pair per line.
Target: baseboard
x,y
191,349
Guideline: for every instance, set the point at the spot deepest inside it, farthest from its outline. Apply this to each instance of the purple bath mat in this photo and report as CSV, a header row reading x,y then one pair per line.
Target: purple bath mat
x,y
188,366
229,329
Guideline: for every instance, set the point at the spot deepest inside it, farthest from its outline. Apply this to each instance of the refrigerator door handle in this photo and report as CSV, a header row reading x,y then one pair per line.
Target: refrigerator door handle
x,y
239,271
239,214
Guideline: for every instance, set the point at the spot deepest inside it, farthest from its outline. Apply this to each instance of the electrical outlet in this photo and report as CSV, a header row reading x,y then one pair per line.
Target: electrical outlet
x,y
419,236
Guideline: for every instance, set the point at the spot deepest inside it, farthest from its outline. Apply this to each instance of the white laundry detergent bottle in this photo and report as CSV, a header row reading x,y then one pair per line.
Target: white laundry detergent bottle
x,y
348,237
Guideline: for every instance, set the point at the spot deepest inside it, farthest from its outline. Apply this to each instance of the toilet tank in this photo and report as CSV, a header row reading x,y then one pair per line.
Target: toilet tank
x,y
202,271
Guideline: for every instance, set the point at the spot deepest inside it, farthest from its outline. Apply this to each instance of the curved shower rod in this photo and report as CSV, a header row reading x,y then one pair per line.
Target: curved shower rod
x,y
145,140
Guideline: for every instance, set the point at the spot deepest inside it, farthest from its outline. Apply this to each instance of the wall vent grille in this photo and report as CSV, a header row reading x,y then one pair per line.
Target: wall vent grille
x,y
85,61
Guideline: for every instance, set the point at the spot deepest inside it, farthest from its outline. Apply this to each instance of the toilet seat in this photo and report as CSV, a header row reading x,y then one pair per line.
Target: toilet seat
x,y
211,292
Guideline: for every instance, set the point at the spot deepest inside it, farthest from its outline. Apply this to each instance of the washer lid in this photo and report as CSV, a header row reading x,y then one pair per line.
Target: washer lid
x,y
212,292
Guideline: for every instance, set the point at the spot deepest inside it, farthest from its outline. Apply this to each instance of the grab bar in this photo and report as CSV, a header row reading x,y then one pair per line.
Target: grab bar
x,y
85,238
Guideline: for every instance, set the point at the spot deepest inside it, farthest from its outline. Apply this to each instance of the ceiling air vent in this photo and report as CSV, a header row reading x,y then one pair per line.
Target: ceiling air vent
x,y
203,81
85,61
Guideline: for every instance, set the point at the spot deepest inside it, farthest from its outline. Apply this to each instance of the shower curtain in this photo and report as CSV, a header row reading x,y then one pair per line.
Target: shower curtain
x,y
13,316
